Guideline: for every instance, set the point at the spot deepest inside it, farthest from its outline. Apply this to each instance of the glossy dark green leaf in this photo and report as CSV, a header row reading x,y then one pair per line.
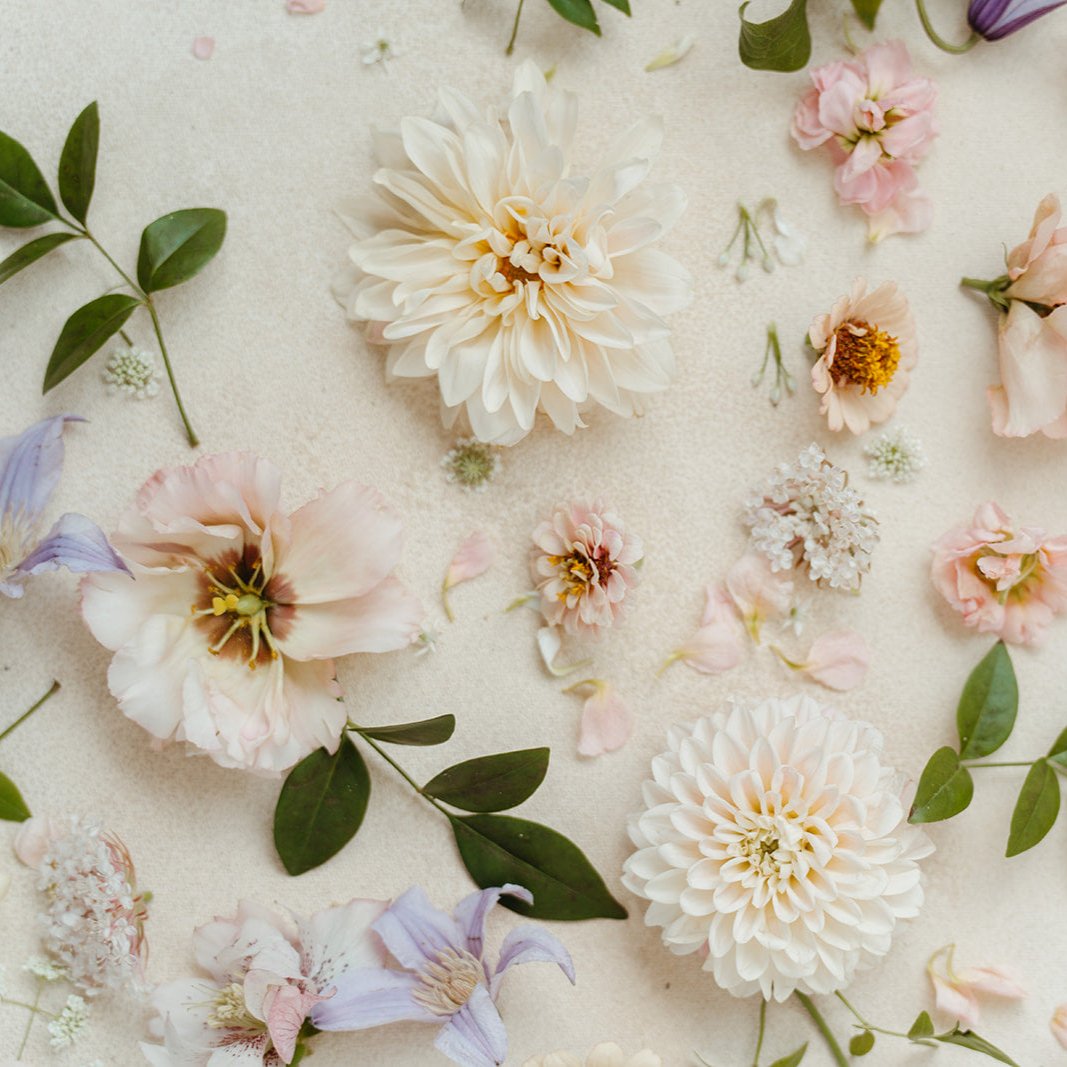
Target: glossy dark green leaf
x,y
12,806
321,806
491,783
85,331
944,790
620,5
1035,810
861,1044
498,849
782,43
427,732
77,164
988,705
578,12
1058,753
922,1028
867,10
793,1059
969,1039
178,246
25,199
30,253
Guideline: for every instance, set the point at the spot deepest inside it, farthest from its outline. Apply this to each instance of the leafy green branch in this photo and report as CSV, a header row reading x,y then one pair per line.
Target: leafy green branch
x,y
579,13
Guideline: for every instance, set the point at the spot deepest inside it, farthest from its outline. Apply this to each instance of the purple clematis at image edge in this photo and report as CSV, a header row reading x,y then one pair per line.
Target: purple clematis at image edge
x,y
994,19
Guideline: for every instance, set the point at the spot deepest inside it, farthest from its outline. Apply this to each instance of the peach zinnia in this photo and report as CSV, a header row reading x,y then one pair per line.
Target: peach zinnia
x,y
867,351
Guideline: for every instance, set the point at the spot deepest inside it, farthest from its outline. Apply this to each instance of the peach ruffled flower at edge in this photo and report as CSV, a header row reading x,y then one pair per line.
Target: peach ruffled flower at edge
x,y
1003,580
867,351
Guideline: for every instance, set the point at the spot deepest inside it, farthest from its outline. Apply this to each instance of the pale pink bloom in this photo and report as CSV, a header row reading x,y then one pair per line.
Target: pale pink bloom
x,y
1038,266
204,47
956,993
305,7
227,638
1058,1024
265,972
1032,395
718,645
876,119
838,660
583,564
867,351
607,723
474,557
1002,580
760,593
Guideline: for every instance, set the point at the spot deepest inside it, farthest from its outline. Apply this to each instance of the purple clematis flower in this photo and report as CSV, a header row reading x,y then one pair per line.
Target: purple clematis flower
x,y
994,19
30,465
447,980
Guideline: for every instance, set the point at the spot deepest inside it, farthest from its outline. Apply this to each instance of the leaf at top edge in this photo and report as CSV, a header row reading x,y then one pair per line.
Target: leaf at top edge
x,y
434,731
25,199
491,783
178,246
867,11
1036,809
782,43
577,12
85,332
12,807
77,164
988,704
33,251
945,788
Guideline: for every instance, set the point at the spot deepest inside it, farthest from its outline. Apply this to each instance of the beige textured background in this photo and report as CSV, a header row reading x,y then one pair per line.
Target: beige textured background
x,y
274,129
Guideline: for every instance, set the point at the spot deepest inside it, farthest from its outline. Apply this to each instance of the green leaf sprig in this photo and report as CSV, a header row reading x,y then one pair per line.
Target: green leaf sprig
x,y
324,799
985,718
173,249
577,12
12,807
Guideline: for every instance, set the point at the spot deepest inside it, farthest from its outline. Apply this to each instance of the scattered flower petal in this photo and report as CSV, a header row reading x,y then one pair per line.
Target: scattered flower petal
x,y
204,47
956,992
474,557
671,55
607,723
760,593
838,660
549,643
718,645
1058,1024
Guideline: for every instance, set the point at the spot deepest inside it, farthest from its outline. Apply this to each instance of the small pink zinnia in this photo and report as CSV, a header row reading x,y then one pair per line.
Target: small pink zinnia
x,y
1002,580
583,564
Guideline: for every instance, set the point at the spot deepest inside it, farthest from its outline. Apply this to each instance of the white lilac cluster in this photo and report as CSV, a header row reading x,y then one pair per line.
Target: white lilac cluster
x,y
68,1025
807,516
897,456
132,371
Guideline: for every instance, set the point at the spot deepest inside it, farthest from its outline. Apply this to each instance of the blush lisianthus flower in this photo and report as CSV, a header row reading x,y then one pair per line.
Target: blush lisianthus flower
x,y
1006,580
875,116
483,260
264,972
583,564
867,351
775,842
226,639
996,19
93,923
607,1054
447,980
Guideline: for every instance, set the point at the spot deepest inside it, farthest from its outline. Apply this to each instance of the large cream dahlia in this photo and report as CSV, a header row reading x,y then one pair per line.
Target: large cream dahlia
x,y
776,843
482,259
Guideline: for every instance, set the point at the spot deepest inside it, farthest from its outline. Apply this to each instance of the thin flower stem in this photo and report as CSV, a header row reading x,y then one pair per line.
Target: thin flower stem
x,y
828,1036
1011,763
514,29
446,603
762,1027
945,46
26,714
107,255
844,1000
28,1007
189,431
399,770
29,1021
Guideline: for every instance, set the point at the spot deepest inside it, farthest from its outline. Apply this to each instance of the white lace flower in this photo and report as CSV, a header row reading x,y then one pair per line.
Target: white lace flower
x,y
897,455
132,371
777,842
484,261
43,968
68,1026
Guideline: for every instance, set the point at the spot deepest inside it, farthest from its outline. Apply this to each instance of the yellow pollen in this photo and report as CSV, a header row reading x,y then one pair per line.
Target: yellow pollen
x,y
220,605
864,356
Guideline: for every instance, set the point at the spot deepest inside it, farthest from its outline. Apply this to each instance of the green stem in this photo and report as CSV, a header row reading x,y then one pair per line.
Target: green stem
x,y
514,29
26,714
859,1018
831,1041
107,255
29,1021
189,431
945,46
399,770
1012,763
762,1027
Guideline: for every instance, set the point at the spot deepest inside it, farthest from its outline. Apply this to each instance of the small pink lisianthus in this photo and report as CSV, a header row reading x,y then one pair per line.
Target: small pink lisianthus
x,y
584,563
867,350
1003,580
876,119
227,638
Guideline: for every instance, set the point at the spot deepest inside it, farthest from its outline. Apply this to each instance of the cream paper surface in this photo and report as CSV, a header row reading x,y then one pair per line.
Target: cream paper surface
x,y
275,130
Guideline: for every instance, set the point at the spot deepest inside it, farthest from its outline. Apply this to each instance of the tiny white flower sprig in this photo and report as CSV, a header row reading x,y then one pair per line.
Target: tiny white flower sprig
x,y
786,243
173,249
67,1024
896,456
783,380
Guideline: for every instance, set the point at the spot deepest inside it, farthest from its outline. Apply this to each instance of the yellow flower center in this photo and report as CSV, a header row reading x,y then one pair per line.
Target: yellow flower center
x,y
246,608
864,356
228,1010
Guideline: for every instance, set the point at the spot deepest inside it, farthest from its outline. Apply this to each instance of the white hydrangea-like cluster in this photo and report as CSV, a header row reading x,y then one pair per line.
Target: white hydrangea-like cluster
x,y
806,516
132,371
895,455
69,1024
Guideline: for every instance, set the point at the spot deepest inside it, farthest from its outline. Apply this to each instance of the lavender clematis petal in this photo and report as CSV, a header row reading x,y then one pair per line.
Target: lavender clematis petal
x,y
994,19
471,913
531,944
415,932
475,1035
75,543
368,997
30,465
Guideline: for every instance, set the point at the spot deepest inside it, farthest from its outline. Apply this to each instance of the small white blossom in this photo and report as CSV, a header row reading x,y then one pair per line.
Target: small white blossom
x,y
377,51
471,464
43,968
897,455
807,516
71,1021
132,371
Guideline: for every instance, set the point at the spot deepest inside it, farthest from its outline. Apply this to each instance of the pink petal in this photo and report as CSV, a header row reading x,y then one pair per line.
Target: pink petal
x,y
475,556
838,660
994,981
956,1003
287,1009
204,47
606,721
759,593
718,645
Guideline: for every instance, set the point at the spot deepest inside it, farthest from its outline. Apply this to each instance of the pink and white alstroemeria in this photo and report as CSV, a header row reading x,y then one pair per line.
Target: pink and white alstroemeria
x,y
266,971
226,640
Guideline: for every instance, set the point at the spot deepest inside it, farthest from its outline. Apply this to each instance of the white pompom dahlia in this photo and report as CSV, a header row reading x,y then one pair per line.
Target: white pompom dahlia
x,y
776,843
483,260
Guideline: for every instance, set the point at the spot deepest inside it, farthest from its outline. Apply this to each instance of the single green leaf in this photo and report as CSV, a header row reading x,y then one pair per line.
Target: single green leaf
x,y
178,246
867,10
793,1059
427,732
923,1027
578,12
782,43
321,806
77,164
1058,753
498,849
988,705
30,253
1035,810
84,332
12,806
944,790
491,783
620,5
861,1044
25,199
969,1039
